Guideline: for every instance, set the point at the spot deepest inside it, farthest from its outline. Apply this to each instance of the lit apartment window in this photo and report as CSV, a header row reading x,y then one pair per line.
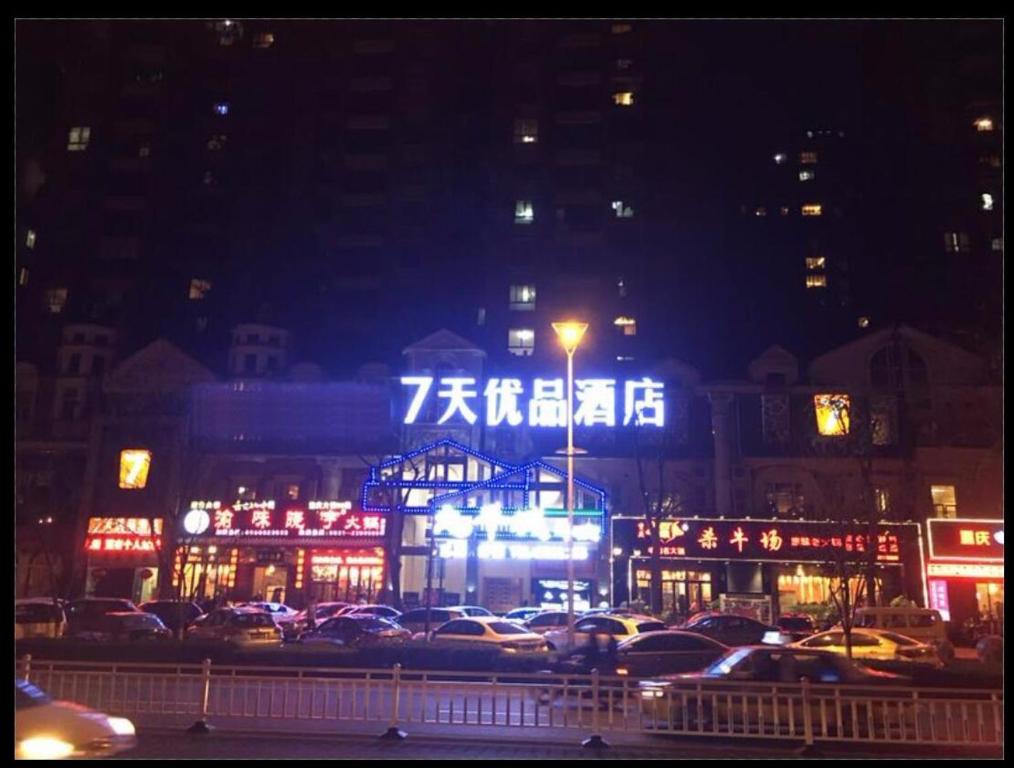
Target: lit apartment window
x,y
945,501
526,130
784,210
623,211
761,211
624,359
882,498
30,239
832,414
984,124
806,175
246,493
864,322
815,262
996,244
56,298
521,341
621,29
144,150
816,281
807,158
77,139
263,40
217,142
987,201
623,98
780,158
222,108
199,289
956,242
23,276
134,466
812,209
628,324
524,212
522,298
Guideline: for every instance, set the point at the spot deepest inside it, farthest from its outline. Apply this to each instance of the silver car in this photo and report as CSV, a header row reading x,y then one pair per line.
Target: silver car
x,y
237,627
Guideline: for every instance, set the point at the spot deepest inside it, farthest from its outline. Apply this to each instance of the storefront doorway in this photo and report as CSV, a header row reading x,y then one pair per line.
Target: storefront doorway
x,y
684,592
270,582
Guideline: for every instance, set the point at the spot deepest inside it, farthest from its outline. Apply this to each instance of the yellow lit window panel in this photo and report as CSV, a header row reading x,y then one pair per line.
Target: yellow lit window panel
x,y
832,414
623,98
812,209
984,124
134,466
815,262
816,281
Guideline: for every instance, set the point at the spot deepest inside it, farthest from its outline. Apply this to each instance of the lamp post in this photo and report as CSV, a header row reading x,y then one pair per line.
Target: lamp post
x,y
570,335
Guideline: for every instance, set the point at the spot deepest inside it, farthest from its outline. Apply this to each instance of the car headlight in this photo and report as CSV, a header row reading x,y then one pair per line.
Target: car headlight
x,y
45,748
121,726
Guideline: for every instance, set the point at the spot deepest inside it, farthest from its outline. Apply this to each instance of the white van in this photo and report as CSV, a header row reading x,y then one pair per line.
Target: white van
x,y
923,624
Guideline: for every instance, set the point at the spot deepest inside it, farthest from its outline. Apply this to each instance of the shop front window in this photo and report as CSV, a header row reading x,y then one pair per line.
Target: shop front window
x,y
347,577
683,592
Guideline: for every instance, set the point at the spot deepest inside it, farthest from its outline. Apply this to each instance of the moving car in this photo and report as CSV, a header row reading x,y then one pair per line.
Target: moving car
x,y
45,729
650,654
415,620
242,626
173,613
615,627
687,699
85,617
794,627
127,626
38,617
875,645
730,629
489,630
923,624
355,630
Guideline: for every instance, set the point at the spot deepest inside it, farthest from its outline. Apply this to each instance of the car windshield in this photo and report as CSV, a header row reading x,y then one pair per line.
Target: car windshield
x,y
650,626
506,628
795,623
142,621
727,663
377,624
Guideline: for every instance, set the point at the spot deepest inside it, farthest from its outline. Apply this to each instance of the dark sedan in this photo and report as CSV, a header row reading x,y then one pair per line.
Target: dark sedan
x,y
86,616
650,654
729,629
356,630
127,626
173,613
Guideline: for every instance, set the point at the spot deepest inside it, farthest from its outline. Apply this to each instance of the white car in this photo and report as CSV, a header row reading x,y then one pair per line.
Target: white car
x,y
51,730
489,630
617,628
381,611
236,626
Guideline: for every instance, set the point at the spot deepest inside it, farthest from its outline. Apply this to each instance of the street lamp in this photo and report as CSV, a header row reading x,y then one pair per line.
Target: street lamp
x,y
570,335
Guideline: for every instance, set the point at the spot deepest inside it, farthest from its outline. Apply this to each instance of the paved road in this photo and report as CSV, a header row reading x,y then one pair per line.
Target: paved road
x,y
222,745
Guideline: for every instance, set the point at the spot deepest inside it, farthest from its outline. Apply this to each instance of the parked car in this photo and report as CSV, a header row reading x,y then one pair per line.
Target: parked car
x,y
280,612
541,623
752,664
355,630
173,613
489,630
730,629
38,617
241,626
923,624
794,627
875,644
383,611
128,626
322,612
616,627
85,616
45,729
415,620
473,610
522,615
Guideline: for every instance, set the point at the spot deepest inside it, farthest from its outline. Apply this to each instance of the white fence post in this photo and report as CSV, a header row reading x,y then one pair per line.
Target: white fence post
x,y
393,733
595,741
201,726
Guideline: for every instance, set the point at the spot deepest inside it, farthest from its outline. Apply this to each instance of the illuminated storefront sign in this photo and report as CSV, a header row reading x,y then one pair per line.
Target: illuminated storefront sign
x,y
762,539
965,570
123,534
552,593
597,402
979,541
270,519
134,466
938,598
